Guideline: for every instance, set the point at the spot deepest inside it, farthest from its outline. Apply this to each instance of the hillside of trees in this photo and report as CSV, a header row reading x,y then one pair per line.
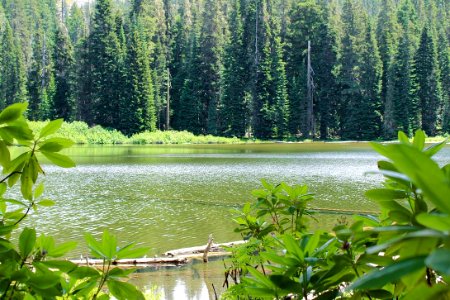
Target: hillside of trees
x,y
232,67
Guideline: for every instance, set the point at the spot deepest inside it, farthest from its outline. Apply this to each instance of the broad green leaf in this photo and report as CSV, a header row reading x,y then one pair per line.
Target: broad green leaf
x,y
26,180
5,230
62,249
62,265
293,247
27,240
419,140
12,112
65,143
12,180
313,242
51,147
46,203
423,171
385,194
17,163
18,132
109,245
439,260
423,291
402,137
96,247
39,191
45,281
84,272
5,156
3,188
28,297
434,221
59,159
435,148
120,273
390,274
130,252
123,290
51,128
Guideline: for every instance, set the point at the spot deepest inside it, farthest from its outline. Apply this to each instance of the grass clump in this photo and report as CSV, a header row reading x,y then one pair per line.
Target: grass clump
x,y
179,137
81,133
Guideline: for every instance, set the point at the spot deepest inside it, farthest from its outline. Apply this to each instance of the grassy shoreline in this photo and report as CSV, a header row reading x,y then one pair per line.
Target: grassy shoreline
x,y
82,134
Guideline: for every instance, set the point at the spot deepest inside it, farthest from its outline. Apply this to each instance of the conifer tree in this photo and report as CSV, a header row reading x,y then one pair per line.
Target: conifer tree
x,y
211,42
351,62
387,37
63,100
369,118
12,72
37,80
76,24
235,113
429,88
444,66
138,112
105,58
178,67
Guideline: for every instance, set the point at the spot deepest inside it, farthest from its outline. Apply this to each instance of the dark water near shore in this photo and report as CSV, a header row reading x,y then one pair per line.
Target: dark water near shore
x,y
167,197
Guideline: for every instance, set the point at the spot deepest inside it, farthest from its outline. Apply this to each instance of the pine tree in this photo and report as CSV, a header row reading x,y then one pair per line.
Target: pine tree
x,y
324,76
235,113
369,118
12,72
387,36
305,21
37,81
444,66
76,24
178,67
138,113
105,60
353,42
63,105
211,42
429,88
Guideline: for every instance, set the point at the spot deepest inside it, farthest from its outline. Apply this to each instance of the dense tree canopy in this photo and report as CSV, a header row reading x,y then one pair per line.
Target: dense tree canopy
x,y
235,68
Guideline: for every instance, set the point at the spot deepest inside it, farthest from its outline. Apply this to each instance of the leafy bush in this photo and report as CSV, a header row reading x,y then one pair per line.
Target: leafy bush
x,y
403,253
30,269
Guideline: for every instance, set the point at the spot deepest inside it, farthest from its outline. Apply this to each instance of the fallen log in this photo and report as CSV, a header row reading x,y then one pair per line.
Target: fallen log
x,y
172,258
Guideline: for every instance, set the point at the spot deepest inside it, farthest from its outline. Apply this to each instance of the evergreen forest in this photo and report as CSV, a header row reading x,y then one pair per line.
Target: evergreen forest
x,y
268,69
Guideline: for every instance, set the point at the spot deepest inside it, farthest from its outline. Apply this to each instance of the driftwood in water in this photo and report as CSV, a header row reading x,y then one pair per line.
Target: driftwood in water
x,y
171,258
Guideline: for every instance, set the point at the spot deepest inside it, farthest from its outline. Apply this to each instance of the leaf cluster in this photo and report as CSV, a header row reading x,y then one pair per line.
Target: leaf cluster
x,y
30,268
402,253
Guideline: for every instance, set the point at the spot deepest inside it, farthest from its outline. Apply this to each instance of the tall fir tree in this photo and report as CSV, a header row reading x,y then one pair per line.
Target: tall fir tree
x,y
105,58
138,112
387,37
178,67
444,66
12,70
429,87
235,112
38,80
270,103
305,22
63,105
325,76
351,61
369,118
211,43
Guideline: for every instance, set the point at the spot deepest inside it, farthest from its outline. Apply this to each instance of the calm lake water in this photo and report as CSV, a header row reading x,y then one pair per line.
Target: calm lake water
x,y
168,197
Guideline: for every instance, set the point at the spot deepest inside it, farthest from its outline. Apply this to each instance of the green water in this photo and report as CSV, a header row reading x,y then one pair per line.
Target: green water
x,y
168,197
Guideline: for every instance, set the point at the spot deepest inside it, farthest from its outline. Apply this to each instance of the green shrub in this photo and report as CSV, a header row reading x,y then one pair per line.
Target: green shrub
x,y
30,269
403,253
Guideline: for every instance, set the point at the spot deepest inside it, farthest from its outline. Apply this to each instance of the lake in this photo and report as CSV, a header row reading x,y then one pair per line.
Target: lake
x,y
168,197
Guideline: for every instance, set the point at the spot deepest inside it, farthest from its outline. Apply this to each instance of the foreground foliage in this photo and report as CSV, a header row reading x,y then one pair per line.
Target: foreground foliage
x,y
403,253
29,268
